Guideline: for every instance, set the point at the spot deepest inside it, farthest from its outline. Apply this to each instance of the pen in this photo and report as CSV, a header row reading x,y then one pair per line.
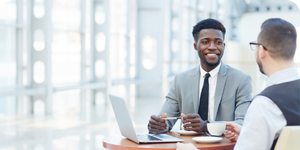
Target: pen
x,y
172,118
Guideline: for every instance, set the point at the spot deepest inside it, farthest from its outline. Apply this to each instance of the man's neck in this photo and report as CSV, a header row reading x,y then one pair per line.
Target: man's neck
x,y
209,68
276,66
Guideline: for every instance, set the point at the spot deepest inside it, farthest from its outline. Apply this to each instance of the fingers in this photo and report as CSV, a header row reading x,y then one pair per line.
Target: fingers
x,y
193,118
193,122
230,124
182,115
157,124
191,126
158,119
163,115
233,127
157,128
231,136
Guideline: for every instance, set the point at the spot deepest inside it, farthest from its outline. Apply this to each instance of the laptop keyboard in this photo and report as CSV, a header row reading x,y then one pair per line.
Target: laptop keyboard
x,y
146,137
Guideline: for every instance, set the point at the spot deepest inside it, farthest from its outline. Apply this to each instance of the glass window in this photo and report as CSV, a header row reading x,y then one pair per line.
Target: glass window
x,y
175,7
39,72
66,58
100,98
100,68
175,25
99,14
39,40
7,56
8,105
8,12
175,45
66,14
149,47
39,8
100,42
118,39
118,59
39,107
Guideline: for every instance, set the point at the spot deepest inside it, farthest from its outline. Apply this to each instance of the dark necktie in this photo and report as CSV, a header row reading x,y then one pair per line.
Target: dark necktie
x,y
203,107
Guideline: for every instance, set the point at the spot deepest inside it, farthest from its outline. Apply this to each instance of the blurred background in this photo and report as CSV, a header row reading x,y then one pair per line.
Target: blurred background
x,y
60,58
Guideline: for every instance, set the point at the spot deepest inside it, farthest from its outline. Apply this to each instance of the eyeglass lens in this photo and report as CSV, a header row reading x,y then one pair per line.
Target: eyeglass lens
x,y
253,47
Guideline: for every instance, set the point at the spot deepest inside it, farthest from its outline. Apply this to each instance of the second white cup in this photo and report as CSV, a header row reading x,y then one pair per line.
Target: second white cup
x,y
216,128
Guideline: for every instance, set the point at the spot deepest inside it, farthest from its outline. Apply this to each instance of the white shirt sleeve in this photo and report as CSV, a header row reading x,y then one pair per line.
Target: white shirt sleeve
x,y
262,124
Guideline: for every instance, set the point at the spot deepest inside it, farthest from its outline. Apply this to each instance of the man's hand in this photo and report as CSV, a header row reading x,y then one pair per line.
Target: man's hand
x,y
232,131
194,122
157,124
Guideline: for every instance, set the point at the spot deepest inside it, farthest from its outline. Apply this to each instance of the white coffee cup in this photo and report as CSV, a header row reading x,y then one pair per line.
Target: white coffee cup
x,y
216,128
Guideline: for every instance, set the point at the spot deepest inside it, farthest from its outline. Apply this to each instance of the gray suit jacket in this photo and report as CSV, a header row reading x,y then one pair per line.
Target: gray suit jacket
x,y
232,96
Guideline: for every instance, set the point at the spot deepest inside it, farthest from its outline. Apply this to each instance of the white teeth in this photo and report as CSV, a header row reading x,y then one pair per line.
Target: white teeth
x,y
211,54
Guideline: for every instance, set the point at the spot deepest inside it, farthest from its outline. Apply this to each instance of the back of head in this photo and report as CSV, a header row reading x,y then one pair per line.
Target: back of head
x,y
208,24
279,37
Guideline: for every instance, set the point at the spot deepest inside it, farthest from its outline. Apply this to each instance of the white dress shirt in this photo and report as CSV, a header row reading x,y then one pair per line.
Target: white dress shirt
x,y
264,120
212,81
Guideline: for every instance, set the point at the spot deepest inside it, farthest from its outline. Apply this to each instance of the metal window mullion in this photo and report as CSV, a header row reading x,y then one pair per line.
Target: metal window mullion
x,y
19,52
189,38
83,40
48,62
104,55
92,42
166,55
92,49
181,32
19,43
107,22
29,40
128,46
128,38
83,55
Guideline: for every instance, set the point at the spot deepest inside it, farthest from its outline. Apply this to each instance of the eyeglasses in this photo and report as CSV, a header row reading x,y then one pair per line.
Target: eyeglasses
x,y
253,45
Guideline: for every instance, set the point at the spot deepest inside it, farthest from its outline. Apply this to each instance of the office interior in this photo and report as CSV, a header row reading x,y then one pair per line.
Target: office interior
x,y
59,59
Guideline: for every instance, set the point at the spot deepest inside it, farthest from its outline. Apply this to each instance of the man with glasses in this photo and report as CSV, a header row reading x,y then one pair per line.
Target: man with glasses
x,y
212,91
278,105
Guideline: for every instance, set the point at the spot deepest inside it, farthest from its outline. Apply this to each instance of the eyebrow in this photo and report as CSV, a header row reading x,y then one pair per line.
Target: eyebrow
x,y
209,39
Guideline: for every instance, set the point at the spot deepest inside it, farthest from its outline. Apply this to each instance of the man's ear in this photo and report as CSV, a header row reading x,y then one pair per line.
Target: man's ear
x,y
195,46
262,52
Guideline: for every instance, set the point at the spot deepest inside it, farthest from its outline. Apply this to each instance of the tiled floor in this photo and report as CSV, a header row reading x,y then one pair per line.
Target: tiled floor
x,y
82,131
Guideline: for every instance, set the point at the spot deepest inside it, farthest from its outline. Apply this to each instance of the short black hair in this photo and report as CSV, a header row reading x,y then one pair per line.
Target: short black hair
x,y
279,37
208,24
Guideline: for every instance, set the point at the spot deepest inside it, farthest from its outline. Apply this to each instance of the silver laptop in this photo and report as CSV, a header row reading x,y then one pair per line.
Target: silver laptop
x,y
126,126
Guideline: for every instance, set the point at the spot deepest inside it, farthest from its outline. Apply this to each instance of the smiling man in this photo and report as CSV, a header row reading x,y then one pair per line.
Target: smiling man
x,y
213,91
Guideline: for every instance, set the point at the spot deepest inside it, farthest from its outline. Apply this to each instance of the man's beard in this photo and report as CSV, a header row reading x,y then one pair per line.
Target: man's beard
x,y
212,64
260,66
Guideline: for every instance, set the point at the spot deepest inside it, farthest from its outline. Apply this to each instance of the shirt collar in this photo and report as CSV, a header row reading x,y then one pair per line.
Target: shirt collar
x,y
285,75
212,73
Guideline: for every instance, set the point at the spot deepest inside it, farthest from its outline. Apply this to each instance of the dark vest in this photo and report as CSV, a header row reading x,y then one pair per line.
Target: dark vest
x,y
287,97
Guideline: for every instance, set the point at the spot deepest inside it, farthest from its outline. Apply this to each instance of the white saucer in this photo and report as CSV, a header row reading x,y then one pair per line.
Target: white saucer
x,y
183,132
206,139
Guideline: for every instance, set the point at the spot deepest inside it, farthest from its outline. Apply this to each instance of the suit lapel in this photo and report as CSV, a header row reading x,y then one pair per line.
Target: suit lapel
x,y
222,77
195,88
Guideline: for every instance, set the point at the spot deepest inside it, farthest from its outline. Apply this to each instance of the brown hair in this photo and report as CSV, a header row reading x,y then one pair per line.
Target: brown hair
x,y
279,37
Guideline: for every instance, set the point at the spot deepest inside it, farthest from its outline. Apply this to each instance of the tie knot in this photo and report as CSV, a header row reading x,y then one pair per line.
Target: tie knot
x,y
207,75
